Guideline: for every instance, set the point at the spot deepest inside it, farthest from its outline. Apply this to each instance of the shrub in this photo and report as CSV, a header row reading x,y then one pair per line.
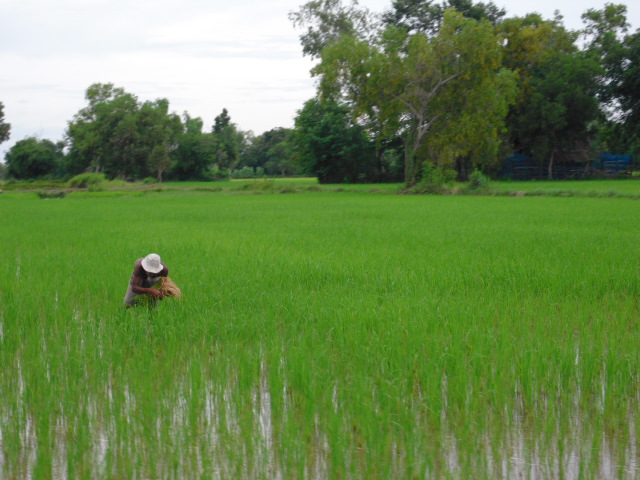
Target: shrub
x,y
244,172
435,179
478,180
51,194
87,180
214,173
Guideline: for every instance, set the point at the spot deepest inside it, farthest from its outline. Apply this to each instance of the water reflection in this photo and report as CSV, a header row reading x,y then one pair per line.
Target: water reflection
x,y
213,430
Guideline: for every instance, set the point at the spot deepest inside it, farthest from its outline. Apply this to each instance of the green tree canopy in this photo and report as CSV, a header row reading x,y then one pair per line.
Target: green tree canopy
x,y
425,16
33,158
557,89
605,35
228,141
272,152
5,128
329,145
608,41
195,153
447,86
558,108
329,20
115,134
530,40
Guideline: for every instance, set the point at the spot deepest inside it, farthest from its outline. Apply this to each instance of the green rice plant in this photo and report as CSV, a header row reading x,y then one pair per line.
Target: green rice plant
x,y
624,187
349,335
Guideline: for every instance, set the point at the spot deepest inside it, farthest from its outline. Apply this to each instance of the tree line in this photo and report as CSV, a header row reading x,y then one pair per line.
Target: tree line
x,y
423,87
120,136
458,86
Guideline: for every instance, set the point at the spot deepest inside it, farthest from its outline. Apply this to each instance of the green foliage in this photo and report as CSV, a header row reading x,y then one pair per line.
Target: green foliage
x,y
478,180
244,172
195,152
33,158
418,16
327,21
87,180
558,86
47,194
5,128
117,135
272,152
228,141
414,16
434,179
159,161
619,87
471,126
215,173
330,146
558,108
411,85
606,41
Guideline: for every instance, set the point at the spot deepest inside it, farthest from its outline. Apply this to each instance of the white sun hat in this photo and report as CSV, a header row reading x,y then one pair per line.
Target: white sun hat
x,y
151,263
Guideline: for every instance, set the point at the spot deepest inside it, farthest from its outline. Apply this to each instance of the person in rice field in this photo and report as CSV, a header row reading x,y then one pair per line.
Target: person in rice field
x,y
146,273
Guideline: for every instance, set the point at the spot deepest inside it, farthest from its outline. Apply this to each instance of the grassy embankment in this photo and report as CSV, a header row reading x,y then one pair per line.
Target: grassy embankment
x,y
322,335
623,187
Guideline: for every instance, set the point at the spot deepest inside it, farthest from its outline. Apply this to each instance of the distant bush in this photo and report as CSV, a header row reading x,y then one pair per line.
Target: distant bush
x,y
51,194
288,189
478,180
32,184
244,172
87,180
214,173
435,179
149,180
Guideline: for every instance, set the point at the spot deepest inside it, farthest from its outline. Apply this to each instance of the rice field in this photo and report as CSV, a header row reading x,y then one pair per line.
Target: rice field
x,y
321,335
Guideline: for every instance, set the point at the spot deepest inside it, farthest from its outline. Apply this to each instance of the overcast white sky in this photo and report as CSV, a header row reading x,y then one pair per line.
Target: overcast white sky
x,y
201,55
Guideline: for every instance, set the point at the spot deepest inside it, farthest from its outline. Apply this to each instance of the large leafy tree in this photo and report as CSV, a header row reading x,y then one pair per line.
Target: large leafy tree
x,y
272,152
604,34
528,41
608,41
330,146
327,21
33,158
102,134
5,128
425,16
628,92
228,141
557,89
437,90
195,153
560,105
116,134
159,133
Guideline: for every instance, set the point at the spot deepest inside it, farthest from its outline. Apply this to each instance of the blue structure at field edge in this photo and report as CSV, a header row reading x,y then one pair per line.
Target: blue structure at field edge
x,y
522,167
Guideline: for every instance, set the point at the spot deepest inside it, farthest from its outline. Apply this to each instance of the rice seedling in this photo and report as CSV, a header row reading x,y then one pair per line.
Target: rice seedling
x,y
321,335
